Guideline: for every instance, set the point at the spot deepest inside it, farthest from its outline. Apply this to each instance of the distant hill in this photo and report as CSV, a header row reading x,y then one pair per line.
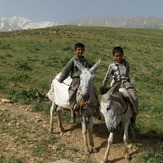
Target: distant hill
x,y
19,23
137,22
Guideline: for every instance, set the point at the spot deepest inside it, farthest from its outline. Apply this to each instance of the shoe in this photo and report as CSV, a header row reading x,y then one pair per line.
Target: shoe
x,y
133,124
73,119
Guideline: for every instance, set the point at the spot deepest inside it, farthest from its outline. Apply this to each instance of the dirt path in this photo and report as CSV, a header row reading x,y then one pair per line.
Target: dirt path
x,y
40,121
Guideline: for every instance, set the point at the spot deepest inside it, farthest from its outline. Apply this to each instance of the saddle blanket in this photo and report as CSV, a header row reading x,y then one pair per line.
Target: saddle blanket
x,y
58,92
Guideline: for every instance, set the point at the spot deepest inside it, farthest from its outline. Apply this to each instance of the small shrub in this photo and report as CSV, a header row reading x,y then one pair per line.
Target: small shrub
x,y
20,76
67,48
41,106
25,95
9,55
64,61
42,147
2,56
2,85
151,157
23,65
37,106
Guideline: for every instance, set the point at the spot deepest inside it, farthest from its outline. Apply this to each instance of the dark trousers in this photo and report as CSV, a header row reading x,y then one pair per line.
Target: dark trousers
x,y
73,90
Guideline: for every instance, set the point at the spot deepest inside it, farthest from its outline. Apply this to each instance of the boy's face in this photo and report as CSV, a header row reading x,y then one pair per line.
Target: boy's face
x,y
79,51
118,57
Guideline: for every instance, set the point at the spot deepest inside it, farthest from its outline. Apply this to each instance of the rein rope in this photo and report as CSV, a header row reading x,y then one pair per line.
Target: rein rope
x,y
125,109
80,103
66,83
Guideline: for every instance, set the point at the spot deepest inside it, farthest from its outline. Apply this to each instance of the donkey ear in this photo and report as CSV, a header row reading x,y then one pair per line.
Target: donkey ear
x,y
79,65
95,66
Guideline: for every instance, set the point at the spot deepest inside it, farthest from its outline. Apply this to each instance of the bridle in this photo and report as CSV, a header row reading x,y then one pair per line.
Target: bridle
x,y
66,83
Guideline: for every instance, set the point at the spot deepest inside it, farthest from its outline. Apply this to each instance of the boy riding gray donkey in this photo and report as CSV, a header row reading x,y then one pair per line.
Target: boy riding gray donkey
x,y
72,70
119,70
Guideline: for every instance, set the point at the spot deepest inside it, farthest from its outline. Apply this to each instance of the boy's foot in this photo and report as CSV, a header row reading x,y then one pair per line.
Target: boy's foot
x,y
133,124
73,119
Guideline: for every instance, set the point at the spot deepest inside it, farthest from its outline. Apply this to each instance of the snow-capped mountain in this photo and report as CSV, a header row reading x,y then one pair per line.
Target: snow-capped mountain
x,y
137,22
19,23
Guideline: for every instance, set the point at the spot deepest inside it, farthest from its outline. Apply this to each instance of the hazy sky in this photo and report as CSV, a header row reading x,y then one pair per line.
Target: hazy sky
x,y
66,11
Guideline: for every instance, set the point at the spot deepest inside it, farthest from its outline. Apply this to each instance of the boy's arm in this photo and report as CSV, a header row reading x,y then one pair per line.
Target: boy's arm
x,y
107,77
66,71
128,71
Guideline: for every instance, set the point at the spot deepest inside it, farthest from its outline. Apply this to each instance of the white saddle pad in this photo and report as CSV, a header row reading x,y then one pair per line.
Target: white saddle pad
x,y
59,92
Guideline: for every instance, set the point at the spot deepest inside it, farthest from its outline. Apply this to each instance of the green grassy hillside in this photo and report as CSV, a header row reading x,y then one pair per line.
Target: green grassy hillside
x,y
29,60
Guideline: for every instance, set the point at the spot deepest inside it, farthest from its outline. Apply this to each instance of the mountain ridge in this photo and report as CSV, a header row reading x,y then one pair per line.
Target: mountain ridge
x,y
136,22
19,23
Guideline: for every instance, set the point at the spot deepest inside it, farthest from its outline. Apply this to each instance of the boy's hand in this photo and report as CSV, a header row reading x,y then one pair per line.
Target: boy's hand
x,y
60,81
103,90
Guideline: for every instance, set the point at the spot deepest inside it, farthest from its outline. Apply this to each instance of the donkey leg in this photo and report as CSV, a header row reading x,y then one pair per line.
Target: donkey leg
x,y
125,139
90,130
110,141
72,119
51,117
84,132
59,114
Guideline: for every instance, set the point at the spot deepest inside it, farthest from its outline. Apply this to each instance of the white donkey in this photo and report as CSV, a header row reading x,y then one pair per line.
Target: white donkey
x,y
86,98
116,111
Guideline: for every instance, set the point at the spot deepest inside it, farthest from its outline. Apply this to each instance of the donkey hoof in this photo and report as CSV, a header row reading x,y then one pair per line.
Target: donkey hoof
x,y
61,133
87,152
72,120
62,130
104,161
127,157
130,145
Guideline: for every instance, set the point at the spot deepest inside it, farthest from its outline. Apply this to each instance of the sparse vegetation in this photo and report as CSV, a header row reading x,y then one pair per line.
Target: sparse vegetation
x,y
29,60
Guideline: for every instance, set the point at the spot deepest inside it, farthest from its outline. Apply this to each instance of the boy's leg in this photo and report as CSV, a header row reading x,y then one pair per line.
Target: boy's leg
x,y
72,97
72,100
97,105
134,101
134,97
55,107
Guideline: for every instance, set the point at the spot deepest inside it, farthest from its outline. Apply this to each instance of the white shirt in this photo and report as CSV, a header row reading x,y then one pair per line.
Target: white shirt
x,y
118,72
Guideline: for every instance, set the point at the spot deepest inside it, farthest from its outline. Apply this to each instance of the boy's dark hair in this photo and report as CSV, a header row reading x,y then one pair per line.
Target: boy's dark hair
x,y
79,45
117,49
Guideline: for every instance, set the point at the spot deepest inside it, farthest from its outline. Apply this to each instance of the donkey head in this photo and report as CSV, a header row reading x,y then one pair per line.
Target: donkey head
x,y
86,79
111,108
